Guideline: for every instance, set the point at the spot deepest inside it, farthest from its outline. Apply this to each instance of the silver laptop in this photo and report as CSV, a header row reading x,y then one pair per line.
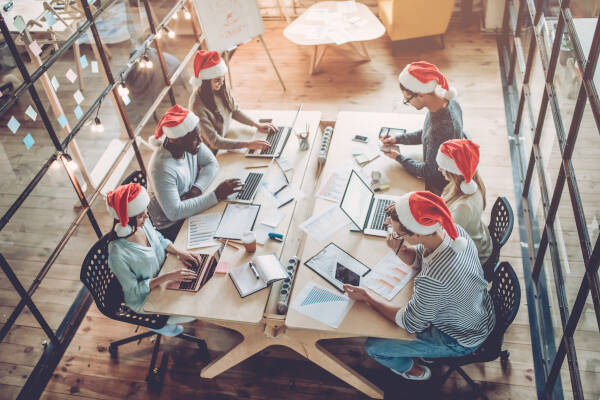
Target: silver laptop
x,y
277,140
364,208
251,182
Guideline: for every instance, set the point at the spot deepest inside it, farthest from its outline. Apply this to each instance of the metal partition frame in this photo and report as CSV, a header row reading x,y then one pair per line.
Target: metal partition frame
x,y
60,339
515,65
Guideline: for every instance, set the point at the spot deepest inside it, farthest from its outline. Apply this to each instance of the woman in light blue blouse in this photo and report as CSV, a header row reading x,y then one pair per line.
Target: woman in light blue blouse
x,y
136,255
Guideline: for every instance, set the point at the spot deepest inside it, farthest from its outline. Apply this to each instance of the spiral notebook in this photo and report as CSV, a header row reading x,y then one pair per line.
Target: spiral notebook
x,y
268,270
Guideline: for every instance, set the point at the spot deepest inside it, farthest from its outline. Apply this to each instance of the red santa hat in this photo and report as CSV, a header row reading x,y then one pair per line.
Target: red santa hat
x,y
124,202
176,123
461,157
207,65
424,212
423,77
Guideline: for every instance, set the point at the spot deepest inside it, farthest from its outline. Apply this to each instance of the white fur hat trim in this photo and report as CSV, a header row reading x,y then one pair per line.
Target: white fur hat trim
x,y
209,73
406,218
135,206
188,125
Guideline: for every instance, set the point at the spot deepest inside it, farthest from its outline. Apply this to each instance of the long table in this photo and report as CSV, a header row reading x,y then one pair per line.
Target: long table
x,y
255,316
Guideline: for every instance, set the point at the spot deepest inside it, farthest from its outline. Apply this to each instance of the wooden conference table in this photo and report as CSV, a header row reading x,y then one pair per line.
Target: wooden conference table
x,y
218,302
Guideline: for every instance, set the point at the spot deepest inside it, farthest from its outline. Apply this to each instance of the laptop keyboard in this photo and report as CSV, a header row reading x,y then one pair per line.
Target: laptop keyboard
x,y
189,285
379,217
250,185
273,139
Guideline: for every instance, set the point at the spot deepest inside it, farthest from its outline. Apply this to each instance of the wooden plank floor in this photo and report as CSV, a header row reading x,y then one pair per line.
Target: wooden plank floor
x,y
471,64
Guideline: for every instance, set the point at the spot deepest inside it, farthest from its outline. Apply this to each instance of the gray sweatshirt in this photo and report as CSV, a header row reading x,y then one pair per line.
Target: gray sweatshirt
x,y
438,127
170,178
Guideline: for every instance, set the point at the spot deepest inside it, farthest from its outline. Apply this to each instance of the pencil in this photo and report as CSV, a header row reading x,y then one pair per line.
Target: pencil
x,y
226,242
256,166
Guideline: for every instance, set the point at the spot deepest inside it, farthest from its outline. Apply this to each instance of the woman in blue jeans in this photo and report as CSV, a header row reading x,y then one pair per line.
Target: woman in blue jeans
x,y
450,311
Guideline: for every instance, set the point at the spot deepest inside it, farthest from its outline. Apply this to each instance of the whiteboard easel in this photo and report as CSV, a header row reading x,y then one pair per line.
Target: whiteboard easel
x,y
229,23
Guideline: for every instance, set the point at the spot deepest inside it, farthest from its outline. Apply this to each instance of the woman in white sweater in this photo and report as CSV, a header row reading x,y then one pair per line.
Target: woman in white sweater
x,y
464,194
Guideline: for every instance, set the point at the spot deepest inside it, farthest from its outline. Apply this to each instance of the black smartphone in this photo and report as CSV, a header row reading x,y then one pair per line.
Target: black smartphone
x,y
360,139
385,131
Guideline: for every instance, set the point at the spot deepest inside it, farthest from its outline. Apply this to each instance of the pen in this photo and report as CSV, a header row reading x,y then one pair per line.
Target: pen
x,y
287,202
279,190
256,166
253,268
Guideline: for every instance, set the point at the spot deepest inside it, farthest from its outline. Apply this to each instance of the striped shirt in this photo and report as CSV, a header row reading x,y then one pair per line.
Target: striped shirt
x,y
450,293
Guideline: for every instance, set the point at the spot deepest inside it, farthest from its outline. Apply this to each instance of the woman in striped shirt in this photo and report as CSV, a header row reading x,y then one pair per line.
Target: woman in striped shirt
x,y
450,311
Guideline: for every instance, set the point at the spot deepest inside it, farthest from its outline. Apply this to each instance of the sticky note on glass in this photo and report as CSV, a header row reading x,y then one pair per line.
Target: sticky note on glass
x,y
35,48
62,120
55,83
28,140
126,100
50,19
83,61
95,67
13,124
71,76
78,96
30,112
78,112
19,23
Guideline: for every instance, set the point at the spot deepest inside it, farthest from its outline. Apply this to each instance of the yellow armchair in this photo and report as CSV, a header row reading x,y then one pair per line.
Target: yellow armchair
x,y
408,19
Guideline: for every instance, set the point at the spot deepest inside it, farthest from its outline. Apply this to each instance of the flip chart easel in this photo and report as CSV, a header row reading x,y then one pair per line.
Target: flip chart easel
x,y
228,23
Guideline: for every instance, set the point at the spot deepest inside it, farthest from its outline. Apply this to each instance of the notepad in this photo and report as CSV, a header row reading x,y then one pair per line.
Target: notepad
x,y
269,270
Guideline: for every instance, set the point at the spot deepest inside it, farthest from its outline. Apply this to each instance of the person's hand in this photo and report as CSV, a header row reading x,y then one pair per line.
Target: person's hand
x,y
266,128
189,259
394,242
194,192
392,154
388,140
182,275
258,145
228,187
356,293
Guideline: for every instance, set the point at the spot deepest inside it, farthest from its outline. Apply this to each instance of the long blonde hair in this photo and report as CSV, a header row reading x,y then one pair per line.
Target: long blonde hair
x,y
452,191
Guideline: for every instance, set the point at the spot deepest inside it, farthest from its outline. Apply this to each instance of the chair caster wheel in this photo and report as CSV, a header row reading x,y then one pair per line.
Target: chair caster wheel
x,y
203,353
114,351
504,355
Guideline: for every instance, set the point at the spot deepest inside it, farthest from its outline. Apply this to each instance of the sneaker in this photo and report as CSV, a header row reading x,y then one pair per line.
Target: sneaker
x,y
423,377
426,361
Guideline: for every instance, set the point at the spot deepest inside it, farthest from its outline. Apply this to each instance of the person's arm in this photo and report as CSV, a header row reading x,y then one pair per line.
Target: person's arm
x,y
360,294
410,137
165,187
133,289
463,215
208,166
412,166
241,116
423,306
212,137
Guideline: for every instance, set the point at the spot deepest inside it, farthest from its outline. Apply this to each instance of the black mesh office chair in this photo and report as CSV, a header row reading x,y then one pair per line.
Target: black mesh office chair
x,y
500,227
136,177
506,295
108,296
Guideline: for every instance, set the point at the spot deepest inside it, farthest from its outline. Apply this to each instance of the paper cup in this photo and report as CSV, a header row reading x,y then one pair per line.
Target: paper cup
x,y
249,241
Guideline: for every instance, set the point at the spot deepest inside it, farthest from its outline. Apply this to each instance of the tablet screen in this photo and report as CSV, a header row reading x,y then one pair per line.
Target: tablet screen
x,y
345,275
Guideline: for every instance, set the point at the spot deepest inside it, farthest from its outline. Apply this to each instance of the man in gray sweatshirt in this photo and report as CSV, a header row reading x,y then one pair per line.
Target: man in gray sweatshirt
x,y
180,172
424,86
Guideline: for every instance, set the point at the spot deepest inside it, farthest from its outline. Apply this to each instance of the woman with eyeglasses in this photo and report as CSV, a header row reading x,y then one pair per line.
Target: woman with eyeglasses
x,y
137,251
450,311
424,86
213,103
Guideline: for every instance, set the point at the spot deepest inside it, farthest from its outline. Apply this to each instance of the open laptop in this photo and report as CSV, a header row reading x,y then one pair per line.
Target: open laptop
x,y
363,207
277,140
251,183
205,271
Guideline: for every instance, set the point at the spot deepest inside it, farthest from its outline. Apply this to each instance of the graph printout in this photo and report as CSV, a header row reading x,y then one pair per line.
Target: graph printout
x,y
389,276
322,304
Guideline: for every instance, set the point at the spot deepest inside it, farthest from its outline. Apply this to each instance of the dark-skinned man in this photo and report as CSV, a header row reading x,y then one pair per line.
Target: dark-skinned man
x,y
180,172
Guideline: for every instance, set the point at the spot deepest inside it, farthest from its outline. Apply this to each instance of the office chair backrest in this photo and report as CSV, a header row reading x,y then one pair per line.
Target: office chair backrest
x,y
107,291
136,177
500,228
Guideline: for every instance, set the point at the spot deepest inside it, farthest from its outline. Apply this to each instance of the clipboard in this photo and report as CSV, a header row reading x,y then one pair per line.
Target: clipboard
x,y
230,226
342,260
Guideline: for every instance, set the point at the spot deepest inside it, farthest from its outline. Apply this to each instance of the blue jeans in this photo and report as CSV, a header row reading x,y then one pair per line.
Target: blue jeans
x,y
431,343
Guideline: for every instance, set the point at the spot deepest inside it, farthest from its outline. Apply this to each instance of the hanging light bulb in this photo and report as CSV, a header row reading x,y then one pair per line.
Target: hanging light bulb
x,y
122,89
175,15
170,33
186,13
159,34
143,64
98,127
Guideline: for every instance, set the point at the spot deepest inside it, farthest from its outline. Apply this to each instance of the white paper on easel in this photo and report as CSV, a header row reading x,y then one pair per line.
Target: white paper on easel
x,y
321,227
201,229
322,304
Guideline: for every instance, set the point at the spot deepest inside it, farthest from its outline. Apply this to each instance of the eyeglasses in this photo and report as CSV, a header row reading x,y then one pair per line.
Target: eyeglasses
x,y
406,101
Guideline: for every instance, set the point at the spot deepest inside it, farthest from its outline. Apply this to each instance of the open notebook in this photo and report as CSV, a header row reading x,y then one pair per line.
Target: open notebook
x,y
268,270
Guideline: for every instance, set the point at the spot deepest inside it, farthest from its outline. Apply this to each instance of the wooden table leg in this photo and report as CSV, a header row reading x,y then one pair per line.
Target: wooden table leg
x,y
361,49
320,55
313,58
364,49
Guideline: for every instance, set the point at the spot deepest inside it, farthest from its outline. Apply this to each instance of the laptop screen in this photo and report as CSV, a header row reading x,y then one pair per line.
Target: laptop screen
x,y
356,200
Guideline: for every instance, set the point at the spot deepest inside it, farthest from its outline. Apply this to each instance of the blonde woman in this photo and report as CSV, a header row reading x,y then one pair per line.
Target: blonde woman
x,y
464,194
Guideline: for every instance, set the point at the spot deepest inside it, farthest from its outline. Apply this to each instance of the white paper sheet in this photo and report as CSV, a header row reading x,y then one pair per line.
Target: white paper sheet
x,y
333,187
262,233
321,227
389,276
273,219
201,229
237,219
322,304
